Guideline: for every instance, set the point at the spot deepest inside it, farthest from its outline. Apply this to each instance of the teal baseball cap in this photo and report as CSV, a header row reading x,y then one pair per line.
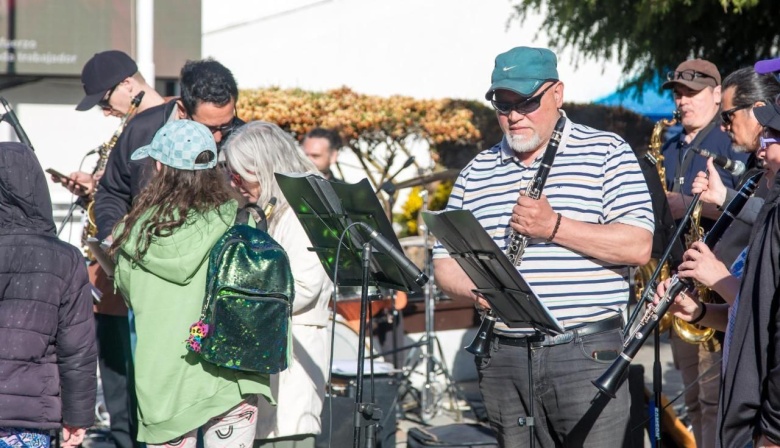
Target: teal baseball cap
x,y
523,70
178,144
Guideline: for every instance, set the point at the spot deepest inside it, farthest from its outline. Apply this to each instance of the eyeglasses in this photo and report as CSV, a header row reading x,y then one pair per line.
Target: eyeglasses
x,y
236,178
727,116
686,75
768,137
239,181
523,107
104,102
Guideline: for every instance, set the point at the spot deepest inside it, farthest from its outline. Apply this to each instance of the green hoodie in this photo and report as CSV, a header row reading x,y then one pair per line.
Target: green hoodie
x,y
177,392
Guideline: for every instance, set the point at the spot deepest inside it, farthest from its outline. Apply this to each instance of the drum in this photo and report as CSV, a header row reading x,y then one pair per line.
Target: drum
x,y
346,343
348,304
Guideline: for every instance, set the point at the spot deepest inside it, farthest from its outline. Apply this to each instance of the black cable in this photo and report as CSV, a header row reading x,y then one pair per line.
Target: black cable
x,y
329,385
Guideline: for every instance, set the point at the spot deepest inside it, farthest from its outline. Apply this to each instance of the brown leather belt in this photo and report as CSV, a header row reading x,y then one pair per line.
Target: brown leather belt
x,y
611,323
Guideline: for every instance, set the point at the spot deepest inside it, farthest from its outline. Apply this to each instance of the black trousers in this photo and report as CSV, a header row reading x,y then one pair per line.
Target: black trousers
x,y
116,367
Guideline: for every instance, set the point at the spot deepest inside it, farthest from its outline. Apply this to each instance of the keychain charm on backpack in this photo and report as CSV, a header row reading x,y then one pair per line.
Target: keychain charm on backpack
x,y
198,331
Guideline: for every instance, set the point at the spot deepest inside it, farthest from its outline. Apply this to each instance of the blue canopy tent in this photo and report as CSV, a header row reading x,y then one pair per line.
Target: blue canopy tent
x,y
650,103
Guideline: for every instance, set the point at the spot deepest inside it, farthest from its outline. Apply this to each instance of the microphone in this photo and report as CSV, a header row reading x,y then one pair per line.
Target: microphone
x,y
384,245
735,167
11,118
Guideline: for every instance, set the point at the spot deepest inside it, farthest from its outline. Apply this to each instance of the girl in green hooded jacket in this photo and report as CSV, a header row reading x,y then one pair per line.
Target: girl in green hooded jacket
x,y
162,250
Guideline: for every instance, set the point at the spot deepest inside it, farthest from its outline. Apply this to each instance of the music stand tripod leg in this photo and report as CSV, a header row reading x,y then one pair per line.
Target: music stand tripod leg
x,y
529,419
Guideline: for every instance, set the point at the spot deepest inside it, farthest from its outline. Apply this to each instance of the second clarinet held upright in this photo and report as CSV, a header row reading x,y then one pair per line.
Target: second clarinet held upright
x,y
610,381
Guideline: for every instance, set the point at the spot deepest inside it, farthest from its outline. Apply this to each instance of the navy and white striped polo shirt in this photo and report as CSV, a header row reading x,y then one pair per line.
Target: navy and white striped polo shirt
x,y
596,179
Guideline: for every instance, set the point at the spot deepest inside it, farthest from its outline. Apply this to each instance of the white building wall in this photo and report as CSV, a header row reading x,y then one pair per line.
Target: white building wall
x,y
424,49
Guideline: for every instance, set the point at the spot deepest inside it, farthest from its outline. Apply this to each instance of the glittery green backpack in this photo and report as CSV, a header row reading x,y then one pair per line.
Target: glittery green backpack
x,y
247,311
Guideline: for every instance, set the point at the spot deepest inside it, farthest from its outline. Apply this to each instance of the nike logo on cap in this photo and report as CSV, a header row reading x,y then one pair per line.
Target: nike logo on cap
x,y
509,68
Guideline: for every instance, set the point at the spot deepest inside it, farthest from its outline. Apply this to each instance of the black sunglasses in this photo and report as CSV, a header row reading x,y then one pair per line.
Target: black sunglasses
x,y
728,115
103,103
224,129
523,107
686,75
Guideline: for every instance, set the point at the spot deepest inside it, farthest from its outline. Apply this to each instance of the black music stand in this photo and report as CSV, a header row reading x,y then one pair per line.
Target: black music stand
x,y
327,210
497,280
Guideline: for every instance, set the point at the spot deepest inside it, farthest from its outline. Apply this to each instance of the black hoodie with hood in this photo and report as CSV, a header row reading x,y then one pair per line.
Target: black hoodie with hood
x,y
47,331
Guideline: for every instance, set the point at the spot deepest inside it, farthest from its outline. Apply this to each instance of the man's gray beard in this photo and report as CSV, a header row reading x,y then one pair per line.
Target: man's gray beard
x,y
739,148
520,144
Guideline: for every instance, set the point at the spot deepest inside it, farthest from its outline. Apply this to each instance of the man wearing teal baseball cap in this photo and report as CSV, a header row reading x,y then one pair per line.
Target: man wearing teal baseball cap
x,y
570,207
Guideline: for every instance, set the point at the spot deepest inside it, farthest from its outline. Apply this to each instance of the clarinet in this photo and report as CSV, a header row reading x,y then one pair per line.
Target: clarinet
x,y
610,381
517,242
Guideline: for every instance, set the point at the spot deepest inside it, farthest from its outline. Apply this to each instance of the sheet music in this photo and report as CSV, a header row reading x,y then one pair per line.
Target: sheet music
x,y
325,209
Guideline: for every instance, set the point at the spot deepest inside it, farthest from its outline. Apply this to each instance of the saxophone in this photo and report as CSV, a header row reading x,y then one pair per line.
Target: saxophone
x,y
645,272
692,333
103,151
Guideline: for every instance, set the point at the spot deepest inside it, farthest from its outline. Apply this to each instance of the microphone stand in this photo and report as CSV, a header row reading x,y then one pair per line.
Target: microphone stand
x,y
367,414
68,216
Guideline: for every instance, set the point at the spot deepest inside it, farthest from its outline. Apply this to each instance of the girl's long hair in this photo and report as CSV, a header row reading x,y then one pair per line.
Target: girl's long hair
x,y
176,196
256,151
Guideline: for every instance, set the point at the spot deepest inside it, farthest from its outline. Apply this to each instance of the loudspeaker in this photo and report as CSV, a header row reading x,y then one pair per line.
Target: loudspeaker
x,y
341,404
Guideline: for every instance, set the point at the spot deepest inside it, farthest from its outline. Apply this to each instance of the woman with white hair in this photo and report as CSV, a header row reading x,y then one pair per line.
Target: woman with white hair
x,y
254,153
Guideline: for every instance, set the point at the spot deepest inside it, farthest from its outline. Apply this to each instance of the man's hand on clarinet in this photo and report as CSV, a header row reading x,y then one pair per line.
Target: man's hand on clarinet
x,y
709,185
534,218
699,263
684,306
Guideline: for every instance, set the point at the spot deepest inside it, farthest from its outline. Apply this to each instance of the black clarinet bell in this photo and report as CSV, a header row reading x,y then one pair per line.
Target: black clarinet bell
x,y
480,346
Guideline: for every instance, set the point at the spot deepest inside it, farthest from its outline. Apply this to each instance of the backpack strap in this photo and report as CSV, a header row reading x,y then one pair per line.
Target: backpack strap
x,y
242,216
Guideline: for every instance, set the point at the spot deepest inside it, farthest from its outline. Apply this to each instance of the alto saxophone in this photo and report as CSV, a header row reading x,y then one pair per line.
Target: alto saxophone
x,y
692,333
103,151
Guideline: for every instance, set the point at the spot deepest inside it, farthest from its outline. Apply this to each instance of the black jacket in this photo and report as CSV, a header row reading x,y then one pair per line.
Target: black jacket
x,y
124,178
47,330
750,391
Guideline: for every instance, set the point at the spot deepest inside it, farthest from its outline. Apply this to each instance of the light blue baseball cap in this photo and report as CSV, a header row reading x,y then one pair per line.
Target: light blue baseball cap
x,y
523,70
178,144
